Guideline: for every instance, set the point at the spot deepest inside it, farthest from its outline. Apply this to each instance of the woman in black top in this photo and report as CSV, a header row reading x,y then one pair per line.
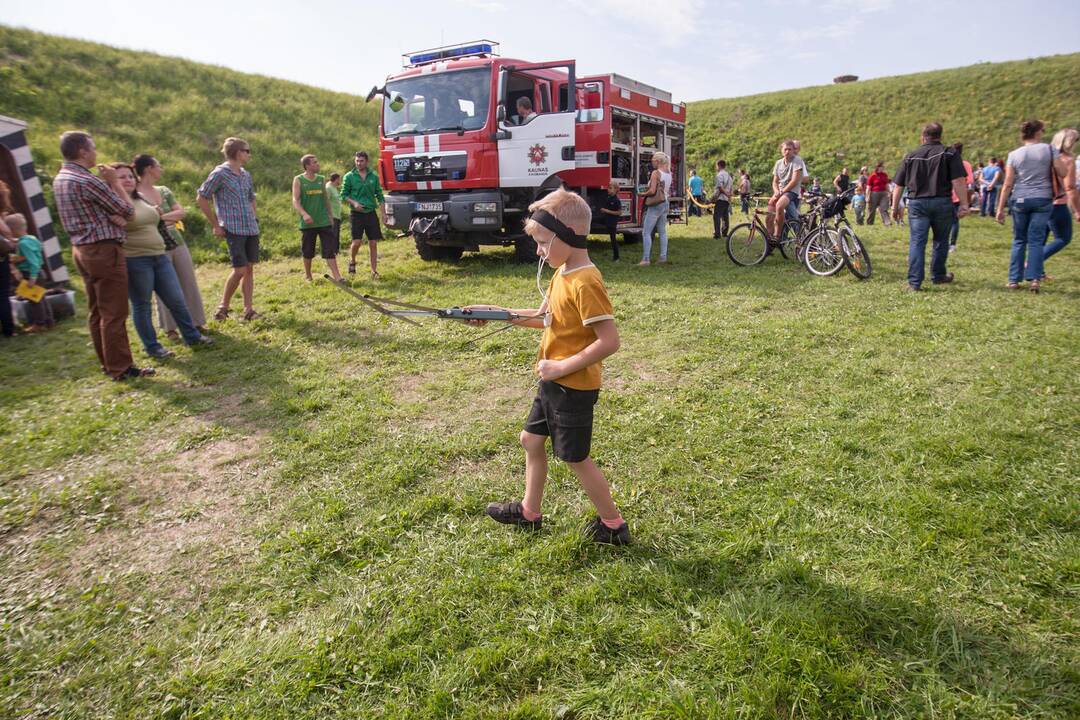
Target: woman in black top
x,y
612,211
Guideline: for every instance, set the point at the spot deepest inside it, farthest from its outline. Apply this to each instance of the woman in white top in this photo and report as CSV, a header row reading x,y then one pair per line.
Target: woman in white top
x,y
656,215
1061,218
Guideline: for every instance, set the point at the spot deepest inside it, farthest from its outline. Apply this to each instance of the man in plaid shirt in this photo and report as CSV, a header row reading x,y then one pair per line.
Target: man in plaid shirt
x,y
232,216
94,211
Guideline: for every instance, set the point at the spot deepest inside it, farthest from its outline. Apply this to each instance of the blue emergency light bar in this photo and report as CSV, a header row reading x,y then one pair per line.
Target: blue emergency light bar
x,y
478,48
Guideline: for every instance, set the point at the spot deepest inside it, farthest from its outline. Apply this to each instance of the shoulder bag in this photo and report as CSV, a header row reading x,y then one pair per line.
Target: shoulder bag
x,y
659,196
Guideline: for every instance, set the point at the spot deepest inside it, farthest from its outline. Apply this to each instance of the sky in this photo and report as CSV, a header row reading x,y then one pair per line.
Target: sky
x,y
695,49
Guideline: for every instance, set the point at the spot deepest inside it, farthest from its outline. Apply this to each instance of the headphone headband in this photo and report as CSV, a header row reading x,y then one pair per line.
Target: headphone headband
x,y
555,225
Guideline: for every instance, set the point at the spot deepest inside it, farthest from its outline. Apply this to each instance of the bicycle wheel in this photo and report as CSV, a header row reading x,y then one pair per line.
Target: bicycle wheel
x,y
856,257
791,240
822,255
746,245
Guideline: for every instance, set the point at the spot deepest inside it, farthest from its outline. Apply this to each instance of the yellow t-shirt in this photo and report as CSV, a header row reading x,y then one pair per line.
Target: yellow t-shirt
x,y
576,299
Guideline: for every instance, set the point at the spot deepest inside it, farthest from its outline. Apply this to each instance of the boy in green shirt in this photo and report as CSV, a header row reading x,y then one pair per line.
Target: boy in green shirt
x,y
29,260
310,199
362,192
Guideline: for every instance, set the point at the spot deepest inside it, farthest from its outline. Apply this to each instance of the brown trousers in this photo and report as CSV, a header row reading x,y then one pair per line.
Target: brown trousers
x,y
104,271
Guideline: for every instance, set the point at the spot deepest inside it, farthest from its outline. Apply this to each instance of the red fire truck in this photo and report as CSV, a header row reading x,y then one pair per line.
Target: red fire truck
x,y
462,158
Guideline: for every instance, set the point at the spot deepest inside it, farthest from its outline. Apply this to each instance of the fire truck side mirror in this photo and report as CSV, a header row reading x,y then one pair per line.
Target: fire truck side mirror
x,y
500,113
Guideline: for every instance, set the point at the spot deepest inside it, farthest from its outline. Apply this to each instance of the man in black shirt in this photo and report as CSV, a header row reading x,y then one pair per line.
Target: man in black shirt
x,y
612,211
931,173
842,181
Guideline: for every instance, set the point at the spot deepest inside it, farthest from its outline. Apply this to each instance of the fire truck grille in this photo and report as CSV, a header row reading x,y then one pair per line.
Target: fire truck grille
x,y
424,168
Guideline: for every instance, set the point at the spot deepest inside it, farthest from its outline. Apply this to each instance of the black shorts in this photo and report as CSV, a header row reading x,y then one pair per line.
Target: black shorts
x,y
566,415
365,222
328,242
243,249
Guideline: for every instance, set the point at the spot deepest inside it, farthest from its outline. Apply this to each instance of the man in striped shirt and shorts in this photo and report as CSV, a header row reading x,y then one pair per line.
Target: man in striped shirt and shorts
x,y
232,216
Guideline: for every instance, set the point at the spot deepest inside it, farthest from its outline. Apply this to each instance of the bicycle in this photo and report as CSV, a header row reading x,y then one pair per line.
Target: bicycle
x,y
750,243
836,245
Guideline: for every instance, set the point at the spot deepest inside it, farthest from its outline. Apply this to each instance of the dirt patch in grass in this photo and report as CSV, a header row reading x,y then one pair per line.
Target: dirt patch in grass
x,y
433,401
175,511
624,375
356,370
194,502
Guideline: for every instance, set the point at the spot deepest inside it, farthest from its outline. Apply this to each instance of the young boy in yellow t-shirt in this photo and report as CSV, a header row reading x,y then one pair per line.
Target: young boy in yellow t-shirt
x,y
579,332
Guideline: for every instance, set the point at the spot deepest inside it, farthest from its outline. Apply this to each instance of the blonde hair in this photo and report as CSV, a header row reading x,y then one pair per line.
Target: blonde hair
x,y
662,160
15,221
232,146
568,207
1064,140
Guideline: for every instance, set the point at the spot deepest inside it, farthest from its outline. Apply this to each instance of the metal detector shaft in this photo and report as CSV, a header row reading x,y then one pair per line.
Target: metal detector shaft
x,y
369,303
454,313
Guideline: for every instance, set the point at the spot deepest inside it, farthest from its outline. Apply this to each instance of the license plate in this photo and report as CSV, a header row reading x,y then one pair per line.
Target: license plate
x,y
429,207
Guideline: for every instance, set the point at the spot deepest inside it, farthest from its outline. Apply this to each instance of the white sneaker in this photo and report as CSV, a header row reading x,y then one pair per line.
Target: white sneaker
x,y
952,249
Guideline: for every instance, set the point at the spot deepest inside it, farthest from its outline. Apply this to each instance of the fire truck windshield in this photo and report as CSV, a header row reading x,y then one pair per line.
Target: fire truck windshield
x,y
456,100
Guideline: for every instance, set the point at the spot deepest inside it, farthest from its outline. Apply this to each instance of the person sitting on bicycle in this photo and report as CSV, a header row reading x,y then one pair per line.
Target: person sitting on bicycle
x,y
786,181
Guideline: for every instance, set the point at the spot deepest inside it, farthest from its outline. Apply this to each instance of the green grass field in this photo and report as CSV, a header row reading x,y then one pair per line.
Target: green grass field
x,y
847,502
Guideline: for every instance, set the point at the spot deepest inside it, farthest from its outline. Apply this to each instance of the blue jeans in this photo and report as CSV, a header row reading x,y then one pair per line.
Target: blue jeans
x,y
655,218
954,230
1061,224
926,215
1030,218
989,202
155,274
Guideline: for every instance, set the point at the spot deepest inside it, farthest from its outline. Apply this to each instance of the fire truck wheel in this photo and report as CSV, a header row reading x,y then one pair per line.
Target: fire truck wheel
x,y
525,249
431,253
426,252
631,238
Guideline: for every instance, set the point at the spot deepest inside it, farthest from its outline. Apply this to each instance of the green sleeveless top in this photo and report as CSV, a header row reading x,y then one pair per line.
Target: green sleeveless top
x,y
313,200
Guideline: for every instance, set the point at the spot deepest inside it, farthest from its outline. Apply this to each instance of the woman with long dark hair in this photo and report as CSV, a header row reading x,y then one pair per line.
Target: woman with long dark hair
x,y
151,272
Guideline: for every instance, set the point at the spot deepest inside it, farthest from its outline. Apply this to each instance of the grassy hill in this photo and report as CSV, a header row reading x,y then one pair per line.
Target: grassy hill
x,y
864,122
180,110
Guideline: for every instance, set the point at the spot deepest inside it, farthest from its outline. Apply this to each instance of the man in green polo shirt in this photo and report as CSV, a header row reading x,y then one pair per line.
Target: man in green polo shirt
x,y
364,195
309,198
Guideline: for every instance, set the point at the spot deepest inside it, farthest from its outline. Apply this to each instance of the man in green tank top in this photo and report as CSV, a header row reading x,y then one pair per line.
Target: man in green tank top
x,y
310,199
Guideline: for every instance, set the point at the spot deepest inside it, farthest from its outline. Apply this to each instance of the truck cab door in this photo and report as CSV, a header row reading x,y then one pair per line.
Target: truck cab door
x,y
533,149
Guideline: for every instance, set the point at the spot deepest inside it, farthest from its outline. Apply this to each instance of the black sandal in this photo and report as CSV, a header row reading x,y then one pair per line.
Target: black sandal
x,y
135,372
512,513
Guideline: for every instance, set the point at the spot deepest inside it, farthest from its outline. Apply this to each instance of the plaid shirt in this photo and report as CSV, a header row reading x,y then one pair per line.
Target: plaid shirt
x,y
85,203
232,195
